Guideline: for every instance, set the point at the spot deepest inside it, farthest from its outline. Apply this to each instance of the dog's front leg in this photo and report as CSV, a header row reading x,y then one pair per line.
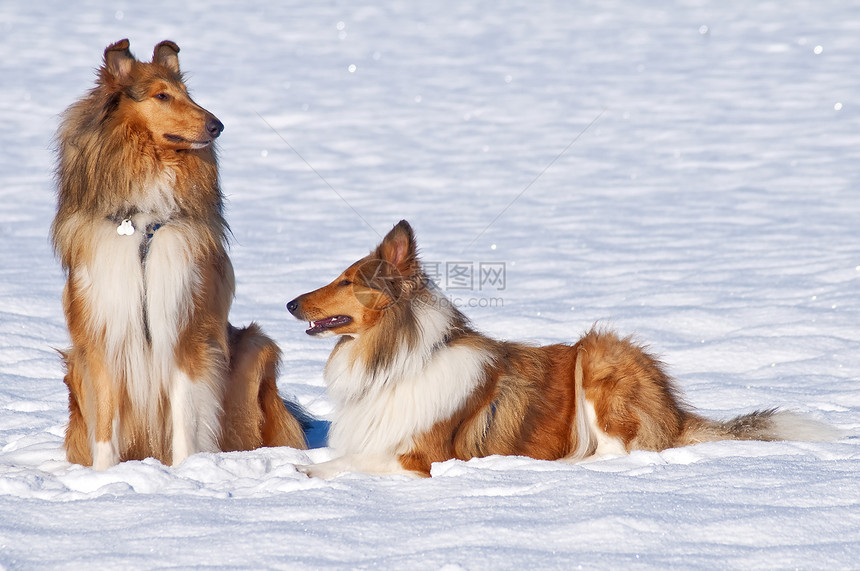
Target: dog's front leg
x,y
182,419
195,409
379,465
105,437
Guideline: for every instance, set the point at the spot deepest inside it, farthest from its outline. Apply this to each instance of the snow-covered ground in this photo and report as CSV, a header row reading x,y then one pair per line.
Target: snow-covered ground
x,y
713,208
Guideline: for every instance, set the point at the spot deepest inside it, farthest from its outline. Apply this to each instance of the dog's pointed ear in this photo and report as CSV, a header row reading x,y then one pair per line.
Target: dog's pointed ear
x,y
166,54
118,60
398,248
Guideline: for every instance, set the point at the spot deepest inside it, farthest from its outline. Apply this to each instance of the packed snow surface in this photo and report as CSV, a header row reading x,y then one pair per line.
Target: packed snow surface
x,y
688,172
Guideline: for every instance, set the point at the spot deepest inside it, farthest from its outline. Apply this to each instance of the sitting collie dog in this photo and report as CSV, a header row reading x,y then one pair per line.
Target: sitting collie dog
x,y
155,369
413,383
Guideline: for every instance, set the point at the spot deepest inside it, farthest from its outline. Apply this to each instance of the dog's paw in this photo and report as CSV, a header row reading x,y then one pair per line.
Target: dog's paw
x,y
324,470
373,465
305,469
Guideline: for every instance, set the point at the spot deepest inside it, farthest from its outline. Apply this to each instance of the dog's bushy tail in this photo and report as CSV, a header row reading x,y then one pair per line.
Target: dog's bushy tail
x,y
254,413
305,418
768,425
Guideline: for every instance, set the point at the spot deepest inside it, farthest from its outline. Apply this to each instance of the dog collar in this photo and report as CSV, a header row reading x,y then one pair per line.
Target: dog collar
x,y
125,227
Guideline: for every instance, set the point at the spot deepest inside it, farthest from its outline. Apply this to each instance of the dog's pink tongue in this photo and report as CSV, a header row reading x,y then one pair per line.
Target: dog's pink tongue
x,y
328,323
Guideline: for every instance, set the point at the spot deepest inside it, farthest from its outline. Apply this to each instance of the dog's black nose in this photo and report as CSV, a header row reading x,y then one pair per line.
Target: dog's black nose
x,y
292,306
214,127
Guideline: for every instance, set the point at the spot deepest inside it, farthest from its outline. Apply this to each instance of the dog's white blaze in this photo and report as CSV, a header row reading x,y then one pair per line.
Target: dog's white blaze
x,y
380,414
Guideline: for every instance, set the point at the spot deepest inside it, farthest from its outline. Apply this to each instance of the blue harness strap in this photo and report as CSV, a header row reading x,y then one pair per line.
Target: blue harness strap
x,y
124,223
147,238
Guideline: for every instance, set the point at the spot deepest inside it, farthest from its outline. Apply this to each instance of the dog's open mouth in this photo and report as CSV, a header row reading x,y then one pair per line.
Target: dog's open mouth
x,y
321,325
183,141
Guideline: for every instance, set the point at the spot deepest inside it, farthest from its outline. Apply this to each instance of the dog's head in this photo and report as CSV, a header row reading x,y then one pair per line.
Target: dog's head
x,y
355,301
153,96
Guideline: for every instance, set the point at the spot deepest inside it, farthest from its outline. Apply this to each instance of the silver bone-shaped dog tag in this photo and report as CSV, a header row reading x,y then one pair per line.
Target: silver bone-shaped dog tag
x,y
126,228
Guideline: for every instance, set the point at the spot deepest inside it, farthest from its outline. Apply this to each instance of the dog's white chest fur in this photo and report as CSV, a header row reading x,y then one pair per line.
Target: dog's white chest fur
x,y
380,414
139,290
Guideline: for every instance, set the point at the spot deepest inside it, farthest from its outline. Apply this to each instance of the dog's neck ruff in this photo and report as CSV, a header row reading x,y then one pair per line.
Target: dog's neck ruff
x,y
381,411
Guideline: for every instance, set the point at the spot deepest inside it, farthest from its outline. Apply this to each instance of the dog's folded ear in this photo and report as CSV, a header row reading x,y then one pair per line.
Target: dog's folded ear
x,y
166,54
118,60
398,249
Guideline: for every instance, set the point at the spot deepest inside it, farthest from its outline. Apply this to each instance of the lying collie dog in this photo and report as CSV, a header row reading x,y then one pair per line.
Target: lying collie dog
x,y
413,383
155,369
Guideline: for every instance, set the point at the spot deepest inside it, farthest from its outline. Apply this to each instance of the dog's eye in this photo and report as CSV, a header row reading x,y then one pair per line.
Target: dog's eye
x,y
162,96
345,283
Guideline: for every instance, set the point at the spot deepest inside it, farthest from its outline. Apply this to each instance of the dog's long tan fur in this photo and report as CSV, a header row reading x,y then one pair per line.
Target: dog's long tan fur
x,y
154,369
413,383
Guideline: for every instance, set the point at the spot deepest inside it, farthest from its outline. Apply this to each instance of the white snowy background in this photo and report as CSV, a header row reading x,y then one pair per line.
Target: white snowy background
x,y
713,209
